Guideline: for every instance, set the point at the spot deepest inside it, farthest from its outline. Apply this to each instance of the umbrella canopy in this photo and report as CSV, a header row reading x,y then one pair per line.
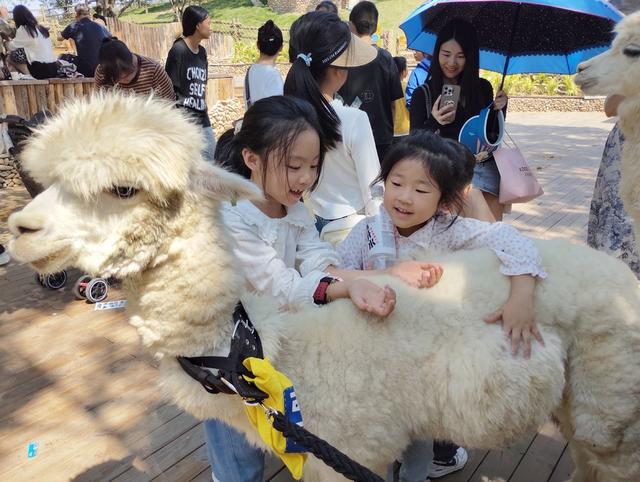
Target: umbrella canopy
x,y
521,37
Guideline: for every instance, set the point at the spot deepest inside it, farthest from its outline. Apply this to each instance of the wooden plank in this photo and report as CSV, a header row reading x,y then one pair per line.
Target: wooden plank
x,y
41,97
564,468
22,100
500,464
68,91
164,458
59,90
103,430
31,100
187,468
143,442
283,475
204,476
543,455
476,457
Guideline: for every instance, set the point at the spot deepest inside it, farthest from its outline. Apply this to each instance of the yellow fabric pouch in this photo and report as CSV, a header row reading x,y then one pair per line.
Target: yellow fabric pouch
x,y
282,398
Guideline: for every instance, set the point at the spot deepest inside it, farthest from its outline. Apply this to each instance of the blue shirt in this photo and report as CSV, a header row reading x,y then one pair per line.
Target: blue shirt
x,y
417,78
88,36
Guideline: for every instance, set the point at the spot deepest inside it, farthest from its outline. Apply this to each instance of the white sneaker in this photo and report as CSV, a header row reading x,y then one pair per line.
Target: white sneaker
x,y
4,258
440,469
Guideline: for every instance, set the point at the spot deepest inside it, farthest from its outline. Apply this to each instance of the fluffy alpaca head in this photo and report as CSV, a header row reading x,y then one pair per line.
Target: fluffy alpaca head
x,y
122,173
617,70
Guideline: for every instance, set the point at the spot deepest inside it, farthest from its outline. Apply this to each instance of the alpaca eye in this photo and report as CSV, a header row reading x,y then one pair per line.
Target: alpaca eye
x,y
123,192
632,50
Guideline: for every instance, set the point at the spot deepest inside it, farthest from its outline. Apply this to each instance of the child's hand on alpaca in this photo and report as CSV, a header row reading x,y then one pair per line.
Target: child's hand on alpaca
x,y
371,298
517,318
416,274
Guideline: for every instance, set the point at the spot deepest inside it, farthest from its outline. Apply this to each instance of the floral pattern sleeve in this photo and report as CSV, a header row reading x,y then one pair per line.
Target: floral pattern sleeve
x,y
516,252
352,250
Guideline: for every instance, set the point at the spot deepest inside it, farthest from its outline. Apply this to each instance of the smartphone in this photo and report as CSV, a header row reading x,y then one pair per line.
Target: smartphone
x,y
450,96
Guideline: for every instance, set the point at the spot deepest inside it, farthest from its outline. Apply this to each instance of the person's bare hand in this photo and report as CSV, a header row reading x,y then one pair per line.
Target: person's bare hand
x,y
445,114
417,274
500,101
369,297
518,323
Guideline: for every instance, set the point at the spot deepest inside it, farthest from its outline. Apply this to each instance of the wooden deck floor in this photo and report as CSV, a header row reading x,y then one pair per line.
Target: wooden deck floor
x,y
75,382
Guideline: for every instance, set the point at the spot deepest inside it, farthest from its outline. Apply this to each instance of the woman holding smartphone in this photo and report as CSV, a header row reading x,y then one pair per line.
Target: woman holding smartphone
x,y
456,62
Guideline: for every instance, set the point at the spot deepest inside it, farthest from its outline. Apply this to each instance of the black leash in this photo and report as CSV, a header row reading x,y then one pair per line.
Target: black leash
x,y
331,456
229,379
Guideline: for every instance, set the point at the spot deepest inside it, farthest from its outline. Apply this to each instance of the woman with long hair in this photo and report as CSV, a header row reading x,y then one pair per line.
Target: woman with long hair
x,y
263,79
321,50
31,51
121,68
188,70
456,60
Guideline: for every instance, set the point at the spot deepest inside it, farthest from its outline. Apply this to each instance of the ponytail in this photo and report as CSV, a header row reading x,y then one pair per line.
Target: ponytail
x,y
229,154
269,129
301,83
315,40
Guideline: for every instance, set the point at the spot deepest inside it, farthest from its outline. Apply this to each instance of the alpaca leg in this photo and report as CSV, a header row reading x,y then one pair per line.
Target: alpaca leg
x,y
583,472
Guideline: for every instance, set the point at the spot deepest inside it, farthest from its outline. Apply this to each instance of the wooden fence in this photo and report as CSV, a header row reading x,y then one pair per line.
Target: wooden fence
x,y
155,42
26,97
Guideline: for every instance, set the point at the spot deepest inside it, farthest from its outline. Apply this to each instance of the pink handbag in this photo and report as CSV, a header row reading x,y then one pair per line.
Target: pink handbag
x,y
517,183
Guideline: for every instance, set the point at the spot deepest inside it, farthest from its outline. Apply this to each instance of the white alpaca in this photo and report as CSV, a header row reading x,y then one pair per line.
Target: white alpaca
x,y
617,71
368,386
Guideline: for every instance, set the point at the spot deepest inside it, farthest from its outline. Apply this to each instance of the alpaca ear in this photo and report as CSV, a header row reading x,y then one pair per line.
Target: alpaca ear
x,y
222,185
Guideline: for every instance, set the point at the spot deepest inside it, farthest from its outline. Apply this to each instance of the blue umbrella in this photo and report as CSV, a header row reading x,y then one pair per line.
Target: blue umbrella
x,y
521,37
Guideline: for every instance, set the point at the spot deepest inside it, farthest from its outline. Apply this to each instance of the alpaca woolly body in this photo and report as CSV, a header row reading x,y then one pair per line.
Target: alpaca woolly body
x,y
433,368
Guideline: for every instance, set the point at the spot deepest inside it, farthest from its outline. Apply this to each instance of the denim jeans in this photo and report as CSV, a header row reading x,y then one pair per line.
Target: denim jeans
x,y
231,456
416,460
210,146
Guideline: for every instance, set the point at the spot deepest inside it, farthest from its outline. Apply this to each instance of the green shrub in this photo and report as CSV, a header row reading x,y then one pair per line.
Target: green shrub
x,y
534,84
245,52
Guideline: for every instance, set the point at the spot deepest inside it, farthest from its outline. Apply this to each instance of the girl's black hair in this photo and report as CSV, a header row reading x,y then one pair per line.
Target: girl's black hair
x,y
465,34
269,128
320,37
327,6
115,59
447,162
191,17
401,64
23,17
364,17
269,39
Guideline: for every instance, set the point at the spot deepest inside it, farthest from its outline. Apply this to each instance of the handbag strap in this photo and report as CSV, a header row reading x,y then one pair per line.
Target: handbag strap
x,y
246,87
511,139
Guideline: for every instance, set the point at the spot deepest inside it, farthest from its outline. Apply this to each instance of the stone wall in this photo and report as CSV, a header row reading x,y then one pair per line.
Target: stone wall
x,y
224,113
8,173
539,103
297,6
239,70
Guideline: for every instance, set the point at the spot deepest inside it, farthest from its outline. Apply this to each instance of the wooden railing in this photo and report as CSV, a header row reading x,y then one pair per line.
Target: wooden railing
x,y
155,42
26,97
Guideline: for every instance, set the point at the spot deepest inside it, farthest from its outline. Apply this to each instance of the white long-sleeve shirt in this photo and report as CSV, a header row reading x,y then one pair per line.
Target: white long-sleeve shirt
x,y
517,254
349,168
280,257
38,48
